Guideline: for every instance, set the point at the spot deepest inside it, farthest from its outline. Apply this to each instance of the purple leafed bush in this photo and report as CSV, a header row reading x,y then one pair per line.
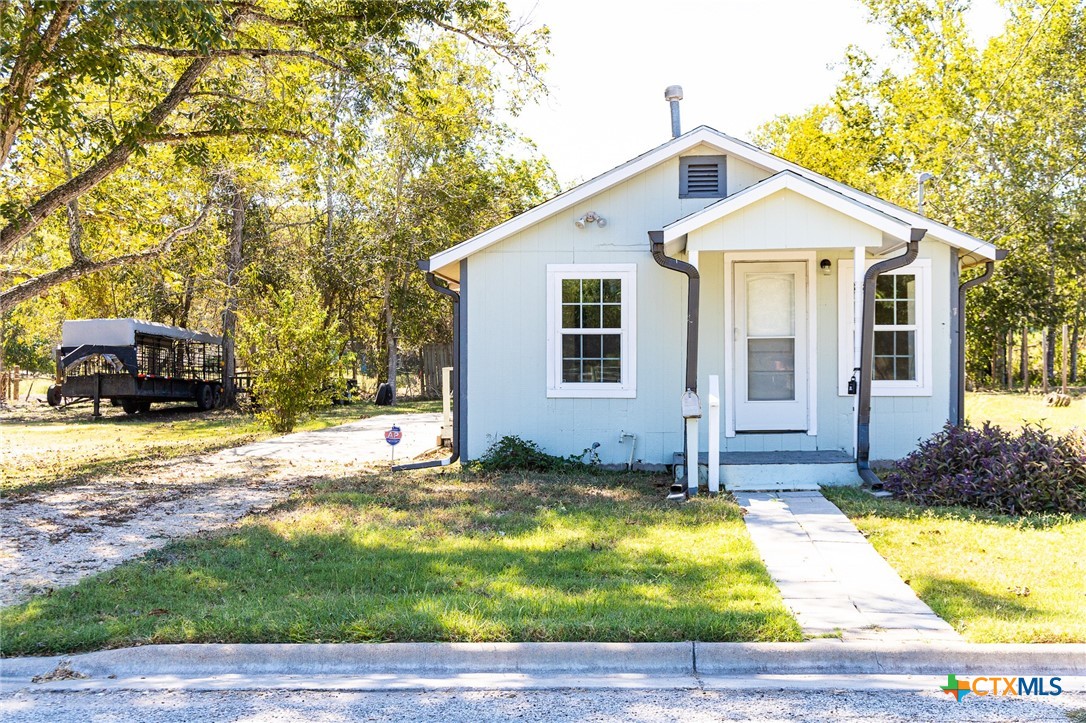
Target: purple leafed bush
x,y
991,469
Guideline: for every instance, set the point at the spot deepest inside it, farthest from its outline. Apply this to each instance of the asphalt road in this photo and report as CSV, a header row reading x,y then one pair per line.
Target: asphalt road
x,y
689,706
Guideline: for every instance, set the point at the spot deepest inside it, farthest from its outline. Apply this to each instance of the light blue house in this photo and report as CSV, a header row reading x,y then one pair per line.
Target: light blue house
x,y
587,318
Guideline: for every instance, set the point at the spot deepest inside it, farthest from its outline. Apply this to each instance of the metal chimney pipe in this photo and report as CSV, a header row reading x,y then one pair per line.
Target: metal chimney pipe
x,y
673,94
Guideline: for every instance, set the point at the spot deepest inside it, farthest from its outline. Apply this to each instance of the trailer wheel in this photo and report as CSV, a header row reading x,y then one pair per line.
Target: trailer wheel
x,y
130,406
53,396
205,397
144,407
217,396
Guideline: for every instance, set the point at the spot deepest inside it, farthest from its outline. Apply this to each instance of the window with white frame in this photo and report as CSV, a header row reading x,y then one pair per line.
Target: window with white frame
x,y
902,330
590,336
895,328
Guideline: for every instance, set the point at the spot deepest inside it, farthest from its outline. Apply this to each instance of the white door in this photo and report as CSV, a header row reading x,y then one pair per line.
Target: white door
x,y
771,346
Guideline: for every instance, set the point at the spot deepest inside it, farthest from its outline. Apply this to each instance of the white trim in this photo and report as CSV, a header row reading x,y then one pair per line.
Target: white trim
x,y
846,301
703,135
791,181
627,388
730,258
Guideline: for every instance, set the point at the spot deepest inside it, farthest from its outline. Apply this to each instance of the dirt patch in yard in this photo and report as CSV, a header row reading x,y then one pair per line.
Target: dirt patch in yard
x,y
53,538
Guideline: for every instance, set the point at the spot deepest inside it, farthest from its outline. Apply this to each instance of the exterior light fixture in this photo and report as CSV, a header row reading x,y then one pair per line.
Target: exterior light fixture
x,y
825,265
590,217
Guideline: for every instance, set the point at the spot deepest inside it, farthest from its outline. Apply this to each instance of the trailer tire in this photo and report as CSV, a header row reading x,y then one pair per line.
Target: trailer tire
x,y
130,406
384,395
144,407
205,397
217,397
53,396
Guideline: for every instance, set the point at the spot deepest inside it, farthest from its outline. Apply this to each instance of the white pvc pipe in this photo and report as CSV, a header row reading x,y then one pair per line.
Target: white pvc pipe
x,y
714,434
692,456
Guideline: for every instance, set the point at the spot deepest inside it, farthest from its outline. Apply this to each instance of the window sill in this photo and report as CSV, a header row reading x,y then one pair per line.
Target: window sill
x,y
593,392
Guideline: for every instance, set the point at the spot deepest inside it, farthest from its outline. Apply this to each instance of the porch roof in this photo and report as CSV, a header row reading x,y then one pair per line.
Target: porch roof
x,y
893,228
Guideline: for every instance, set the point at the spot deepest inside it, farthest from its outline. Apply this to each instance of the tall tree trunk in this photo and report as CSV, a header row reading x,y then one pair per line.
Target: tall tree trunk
x,y
230,314
999,355
390,338
1074,353
1046,350
1050,354
1025,359
1063,360
186,298
1008,356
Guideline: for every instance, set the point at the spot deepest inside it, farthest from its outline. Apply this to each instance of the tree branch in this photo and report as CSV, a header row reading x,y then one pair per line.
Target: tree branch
x,y
77,269
223,133
33,216
27,67
224,95
238,52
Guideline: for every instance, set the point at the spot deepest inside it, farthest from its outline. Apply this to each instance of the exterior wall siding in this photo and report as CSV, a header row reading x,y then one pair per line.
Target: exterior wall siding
x,y
505,341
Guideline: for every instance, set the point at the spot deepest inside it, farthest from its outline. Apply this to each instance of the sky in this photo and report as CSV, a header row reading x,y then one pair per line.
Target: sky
x,y
740,63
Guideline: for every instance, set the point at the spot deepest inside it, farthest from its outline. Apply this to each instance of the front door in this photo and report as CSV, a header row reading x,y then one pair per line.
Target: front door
x,y
771,346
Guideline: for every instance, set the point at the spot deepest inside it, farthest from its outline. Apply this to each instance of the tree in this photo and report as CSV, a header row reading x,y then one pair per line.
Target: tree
x,y
434,170
116,79
1002,131
293,355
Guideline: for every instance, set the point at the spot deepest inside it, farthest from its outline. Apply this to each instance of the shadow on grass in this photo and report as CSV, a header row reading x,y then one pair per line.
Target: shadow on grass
x,y
955,599
609,562
855,503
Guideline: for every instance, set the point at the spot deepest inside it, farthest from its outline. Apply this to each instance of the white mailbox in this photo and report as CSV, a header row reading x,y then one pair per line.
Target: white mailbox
x,y
691,405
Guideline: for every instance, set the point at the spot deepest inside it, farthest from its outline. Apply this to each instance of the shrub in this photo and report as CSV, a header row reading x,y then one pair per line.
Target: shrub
x,y
991,469
512,453
292,356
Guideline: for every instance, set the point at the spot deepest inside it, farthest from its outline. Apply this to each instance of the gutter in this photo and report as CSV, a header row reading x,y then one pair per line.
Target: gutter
x,y
989,269
431,281
656,239
867,344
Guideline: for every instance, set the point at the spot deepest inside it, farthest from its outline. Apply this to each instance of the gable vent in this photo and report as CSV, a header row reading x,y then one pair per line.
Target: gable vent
x,y
702,177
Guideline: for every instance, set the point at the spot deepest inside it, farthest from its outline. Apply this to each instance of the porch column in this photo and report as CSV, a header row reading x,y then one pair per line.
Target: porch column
x,y
859,268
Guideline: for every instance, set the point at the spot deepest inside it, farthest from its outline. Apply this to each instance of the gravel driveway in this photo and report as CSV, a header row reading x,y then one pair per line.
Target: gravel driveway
x,y
53,539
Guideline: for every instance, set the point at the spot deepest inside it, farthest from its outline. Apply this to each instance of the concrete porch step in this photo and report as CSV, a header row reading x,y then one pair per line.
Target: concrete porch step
x,y
777,471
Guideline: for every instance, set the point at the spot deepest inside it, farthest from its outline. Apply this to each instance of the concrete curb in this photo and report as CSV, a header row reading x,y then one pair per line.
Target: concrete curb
x,y
835,657
816,657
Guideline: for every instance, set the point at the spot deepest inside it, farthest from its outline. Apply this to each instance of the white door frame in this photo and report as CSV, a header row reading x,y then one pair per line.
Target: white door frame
x,y
730,259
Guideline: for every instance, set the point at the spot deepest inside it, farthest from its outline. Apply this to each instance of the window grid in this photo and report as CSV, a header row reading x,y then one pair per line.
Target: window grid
x,y
895,328
591,351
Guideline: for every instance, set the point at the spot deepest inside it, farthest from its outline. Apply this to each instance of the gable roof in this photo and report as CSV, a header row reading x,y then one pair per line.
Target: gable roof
x,y
792,181
862,203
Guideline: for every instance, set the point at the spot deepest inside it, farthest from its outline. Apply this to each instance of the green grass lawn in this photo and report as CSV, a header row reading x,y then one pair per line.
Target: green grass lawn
x,y
1010,409
435,556
45,447
994,578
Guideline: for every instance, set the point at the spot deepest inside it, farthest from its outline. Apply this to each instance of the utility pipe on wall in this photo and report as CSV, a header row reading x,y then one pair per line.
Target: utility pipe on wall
x,y
867,344
431,281
656,239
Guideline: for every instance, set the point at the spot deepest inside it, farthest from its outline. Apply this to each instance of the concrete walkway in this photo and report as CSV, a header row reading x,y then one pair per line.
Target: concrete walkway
x,y
830,576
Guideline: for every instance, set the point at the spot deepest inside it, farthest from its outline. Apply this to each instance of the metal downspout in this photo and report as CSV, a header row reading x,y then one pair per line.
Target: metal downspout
x,y
656,238
431,281
863,416
965,286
